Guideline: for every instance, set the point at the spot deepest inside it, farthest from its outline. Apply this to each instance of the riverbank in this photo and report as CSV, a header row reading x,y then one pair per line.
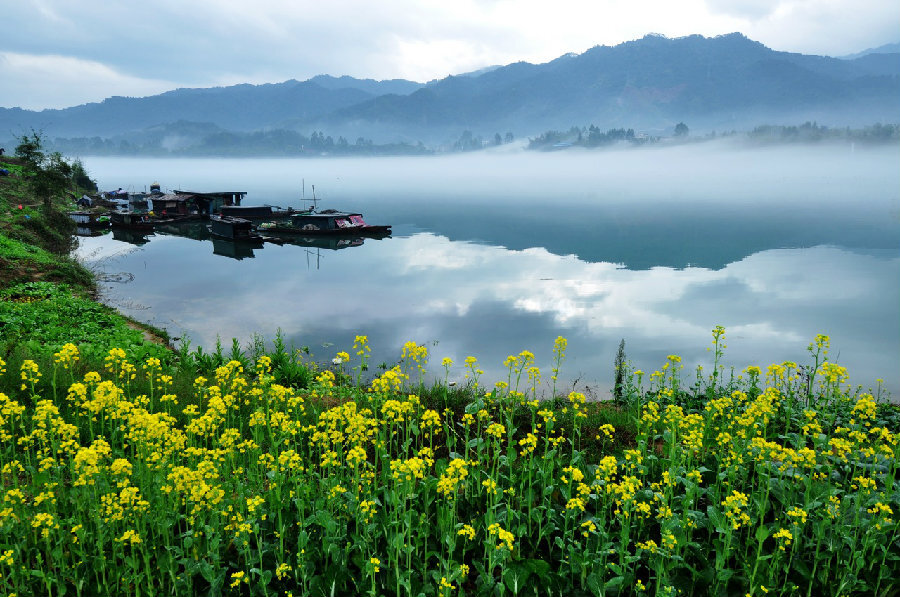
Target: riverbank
x,y
36,244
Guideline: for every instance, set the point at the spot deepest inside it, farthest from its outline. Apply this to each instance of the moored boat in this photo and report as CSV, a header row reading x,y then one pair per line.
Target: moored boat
x,y
231,228
90,219
259,212
130,221
328,222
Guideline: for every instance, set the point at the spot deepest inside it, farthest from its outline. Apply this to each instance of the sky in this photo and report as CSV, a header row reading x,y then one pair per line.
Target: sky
x,y
59,53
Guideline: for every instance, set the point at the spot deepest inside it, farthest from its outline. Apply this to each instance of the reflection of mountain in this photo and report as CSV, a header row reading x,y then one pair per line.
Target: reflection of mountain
x,y
134,237
645,236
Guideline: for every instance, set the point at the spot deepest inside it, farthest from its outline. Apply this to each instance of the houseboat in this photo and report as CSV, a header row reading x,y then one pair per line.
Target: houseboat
x,y
258,212
234,229
328,222
207,204
90,219
131,221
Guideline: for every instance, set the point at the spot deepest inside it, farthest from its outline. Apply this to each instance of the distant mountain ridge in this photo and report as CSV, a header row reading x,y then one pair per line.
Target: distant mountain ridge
x,y
727,81
885,49
651,82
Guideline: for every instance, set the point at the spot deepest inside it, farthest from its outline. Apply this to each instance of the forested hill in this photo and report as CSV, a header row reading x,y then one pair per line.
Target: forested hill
x,y
650,84
654,82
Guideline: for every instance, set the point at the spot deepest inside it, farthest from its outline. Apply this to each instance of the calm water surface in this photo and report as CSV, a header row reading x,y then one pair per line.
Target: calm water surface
x,y
499,252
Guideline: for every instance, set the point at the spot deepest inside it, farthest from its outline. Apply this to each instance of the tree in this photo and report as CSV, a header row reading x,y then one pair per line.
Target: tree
x,y
681,130
31,147
620,373
52,178
49,174
468,142
80,177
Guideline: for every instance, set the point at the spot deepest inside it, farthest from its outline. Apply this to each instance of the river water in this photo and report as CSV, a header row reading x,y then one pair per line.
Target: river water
x,y
497,252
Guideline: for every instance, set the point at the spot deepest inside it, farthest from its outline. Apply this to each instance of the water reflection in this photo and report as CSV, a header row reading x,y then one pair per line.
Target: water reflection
x,y
90,231
706,205
246,249
192,230
466,298
132,237
322,242
493,254
235,249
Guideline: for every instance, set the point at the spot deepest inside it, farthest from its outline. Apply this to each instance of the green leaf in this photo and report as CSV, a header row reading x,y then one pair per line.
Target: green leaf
x,y
207,571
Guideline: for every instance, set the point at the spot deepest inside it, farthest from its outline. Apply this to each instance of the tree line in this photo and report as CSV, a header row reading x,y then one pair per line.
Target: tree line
x,y
808,132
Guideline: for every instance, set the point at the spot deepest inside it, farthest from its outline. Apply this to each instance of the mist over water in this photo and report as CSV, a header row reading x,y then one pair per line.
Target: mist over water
x,y
501,251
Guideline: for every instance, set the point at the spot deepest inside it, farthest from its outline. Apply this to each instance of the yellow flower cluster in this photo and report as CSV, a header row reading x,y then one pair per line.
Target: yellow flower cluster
x,y
505,537
735,509
455,473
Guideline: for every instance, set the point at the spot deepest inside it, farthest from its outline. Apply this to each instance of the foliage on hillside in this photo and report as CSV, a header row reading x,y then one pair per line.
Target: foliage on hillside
x,y
36,233
43,289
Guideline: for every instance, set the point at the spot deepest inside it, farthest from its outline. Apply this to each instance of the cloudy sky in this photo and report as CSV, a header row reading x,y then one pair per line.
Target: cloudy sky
x,y
59,53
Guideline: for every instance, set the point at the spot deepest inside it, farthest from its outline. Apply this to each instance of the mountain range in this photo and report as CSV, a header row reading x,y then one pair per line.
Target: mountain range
x,y
650,84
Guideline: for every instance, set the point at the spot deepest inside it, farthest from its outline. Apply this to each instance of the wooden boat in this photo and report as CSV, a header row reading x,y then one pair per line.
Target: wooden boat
x,y
234,229
131,221
328,222
90,219
259,212
164,220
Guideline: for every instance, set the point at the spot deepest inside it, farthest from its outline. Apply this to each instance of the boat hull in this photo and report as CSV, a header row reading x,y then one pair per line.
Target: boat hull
x,y
131,222
233,229
369,231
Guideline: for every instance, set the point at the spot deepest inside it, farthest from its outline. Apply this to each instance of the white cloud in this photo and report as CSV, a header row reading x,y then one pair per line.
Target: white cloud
x,y
744,9
828,27
216,42
36,82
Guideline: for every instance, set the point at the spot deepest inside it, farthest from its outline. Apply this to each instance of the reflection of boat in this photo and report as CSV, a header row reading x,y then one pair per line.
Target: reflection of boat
x,y
322,242
329,222
88,231
192,230
229,228
235,249
131,221
134,237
